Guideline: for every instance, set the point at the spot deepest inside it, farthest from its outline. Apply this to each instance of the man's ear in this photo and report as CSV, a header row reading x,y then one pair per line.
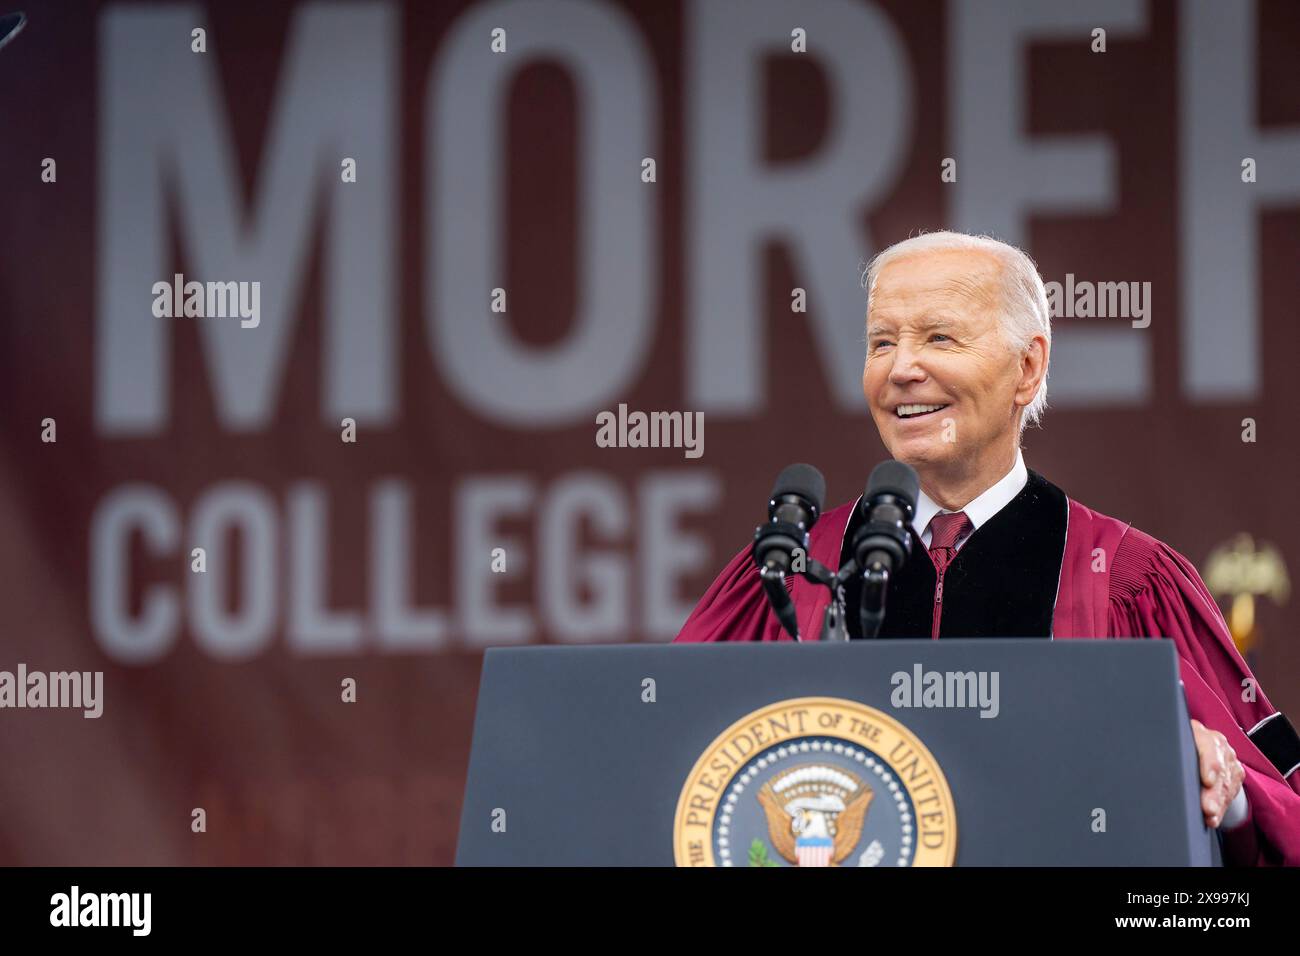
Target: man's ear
x,y
1033,369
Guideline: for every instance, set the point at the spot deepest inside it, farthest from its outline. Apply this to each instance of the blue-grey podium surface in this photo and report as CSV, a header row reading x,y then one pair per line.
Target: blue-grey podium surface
x,y
581,756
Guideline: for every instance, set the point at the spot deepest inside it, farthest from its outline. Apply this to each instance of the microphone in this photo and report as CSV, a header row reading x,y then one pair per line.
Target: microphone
x,y
882,544
793,508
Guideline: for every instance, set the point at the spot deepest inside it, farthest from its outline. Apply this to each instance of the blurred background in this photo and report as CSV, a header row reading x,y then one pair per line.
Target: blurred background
x,y
503,146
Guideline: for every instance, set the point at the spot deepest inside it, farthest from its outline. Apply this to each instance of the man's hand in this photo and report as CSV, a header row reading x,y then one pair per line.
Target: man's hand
x,y
1221,774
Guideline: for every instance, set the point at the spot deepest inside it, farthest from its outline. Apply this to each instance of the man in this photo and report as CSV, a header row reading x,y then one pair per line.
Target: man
x,y
958,345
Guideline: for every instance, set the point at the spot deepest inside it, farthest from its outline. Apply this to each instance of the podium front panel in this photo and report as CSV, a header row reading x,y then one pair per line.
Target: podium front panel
x,y
1070,753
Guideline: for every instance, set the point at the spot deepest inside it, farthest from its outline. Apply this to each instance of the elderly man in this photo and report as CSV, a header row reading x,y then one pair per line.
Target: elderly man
x,y
958,344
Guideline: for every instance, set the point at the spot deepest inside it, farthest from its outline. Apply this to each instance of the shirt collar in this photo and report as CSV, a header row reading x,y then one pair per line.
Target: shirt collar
x,y
980,509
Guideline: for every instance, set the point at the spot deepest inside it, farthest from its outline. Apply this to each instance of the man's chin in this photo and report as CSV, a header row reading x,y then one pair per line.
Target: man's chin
x,y
919,451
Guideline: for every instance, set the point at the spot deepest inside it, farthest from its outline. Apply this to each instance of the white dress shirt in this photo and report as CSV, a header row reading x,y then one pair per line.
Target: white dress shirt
x,y
980,510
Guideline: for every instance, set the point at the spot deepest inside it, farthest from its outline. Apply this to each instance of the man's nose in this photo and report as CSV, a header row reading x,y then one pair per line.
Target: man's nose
x,y
906,366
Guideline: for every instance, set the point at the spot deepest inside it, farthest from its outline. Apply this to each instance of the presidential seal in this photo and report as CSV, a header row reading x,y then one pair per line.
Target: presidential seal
x,y
816,781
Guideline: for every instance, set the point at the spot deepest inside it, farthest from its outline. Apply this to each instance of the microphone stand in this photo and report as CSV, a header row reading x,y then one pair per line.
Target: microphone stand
x,y
871,613
834,627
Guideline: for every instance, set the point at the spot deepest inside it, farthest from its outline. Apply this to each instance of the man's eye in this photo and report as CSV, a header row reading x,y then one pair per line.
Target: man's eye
x,y
879,344
937,337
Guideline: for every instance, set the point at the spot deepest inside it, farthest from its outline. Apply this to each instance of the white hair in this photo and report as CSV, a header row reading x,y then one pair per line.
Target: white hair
x,y
1024,311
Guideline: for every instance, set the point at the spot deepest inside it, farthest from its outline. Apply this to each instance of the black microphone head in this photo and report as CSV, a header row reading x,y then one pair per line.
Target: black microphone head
x,y
802,480
894,478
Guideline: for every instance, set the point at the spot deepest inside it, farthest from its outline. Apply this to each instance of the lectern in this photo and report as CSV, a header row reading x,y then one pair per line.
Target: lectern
x,y
867,753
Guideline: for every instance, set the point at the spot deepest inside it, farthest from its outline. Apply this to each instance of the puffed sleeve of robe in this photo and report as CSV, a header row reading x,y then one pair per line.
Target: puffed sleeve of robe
x,y
734,608
1155,592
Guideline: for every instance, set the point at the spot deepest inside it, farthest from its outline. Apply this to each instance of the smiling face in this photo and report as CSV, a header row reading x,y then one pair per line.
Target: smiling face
x,y
943,382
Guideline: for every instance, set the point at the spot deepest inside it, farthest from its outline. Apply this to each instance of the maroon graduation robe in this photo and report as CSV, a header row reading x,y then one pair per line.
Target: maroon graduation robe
x,y
1138,587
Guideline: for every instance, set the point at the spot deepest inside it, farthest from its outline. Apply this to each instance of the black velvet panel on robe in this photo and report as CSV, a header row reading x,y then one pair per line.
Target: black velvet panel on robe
x,y
1001,583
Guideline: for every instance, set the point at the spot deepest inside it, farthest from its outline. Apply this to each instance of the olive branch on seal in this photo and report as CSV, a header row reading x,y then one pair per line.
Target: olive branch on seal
x,y
758,854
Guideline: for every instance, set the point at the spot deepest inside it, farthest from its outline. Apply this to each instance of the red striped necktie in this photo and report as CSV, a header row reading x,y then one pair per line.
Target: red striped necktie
x,y
945,531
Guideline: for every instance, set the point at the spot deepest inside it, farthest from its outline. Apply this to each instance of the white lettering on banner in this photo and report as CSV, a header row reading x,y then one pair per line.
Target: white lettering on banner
x,y
400,625
490,370
1220,220
149,635
1008,174
669,551
480,504
605,572
162,123
245,632
734,201
313,627
164,141
605,587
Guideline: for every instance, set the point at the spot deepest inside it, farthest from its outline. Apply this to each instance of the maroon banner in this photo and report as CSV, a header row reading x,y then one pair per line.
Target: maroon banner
x,y
327,327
